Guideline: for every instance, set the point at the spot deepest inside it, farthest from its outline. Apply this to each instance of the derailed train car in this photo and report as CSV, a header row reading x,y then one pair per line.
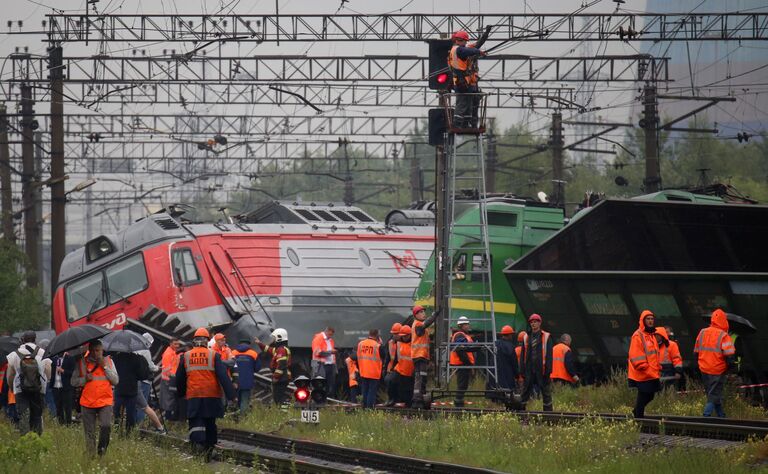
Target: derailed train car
x,y
679,259
300,267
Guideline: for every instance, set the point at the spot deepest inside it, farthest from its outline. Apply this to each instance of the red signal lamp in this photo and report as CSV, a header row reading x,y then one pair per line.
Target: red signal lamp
x,y
442,78
301,395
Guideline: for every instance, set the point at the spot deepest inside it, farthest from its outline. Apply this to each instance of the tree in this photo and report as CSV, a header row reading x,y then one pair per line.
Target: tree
x,y
22,307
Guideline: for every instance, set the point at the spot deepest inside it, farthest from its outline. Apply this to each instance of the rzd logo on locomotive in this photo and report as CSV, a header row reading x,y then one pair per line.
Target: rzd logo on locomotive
x,y
118,321
405,262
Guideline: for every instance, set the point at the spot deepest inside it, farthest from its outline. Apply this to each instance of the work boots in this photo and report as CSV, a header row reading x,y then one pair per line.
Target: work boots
x,y
104,433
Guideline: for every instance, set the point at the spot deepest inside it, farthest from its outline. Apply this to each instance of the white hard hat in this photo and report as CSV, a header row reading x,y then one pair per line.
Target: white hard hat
x,y
148,337
280,335
462,320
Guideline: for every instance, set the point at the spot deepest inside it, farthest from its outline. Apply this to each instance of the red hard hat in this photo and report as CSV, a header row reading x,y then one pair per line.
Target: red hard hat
x,y
417,308
521,335
202,332
534,317
395,328
405,330
507,330
461,34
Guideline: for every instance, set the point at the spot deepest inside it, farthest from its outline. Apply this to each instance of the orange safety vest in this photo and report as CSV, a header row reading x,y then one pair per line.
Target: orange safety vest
x,y
368,359
558,363
464,71
318,346
404,365
392,346
419,344
224,352
201,373
454,359
544,341
351,369
169,363
671,355
713,345
643,358
97,392
250,353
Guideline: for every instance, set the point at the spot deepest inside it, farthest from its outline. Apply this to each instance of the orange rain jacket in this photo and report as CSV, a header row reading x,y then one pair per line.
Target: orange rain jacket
x,y
643,361
714,345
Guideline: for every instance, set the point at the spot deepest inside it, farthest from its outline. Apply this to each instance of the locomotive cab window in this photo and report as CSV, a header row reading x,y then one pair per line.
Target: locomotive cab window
x,y
125,278
185,271
85,296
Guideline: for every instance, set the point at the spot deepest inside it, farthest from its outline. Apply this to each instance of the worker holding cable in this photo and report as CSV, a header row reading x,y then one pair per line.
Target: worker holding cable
x,y
462,61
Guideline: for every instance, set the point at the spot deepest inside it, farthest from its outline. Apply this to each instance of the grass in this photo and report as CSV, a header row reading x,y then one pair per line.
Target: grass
x,y
501,442
61,450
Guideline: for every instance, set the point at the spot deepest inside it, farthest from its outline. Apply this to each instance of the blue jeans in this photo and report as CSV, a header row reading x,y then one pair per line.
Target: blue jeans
x,y
369,388
244,400
145,389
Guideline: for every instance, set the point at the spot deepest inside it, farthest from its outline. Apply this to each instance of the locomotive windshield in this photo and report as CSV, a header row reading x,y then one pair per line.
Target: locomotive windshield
x,y
112,283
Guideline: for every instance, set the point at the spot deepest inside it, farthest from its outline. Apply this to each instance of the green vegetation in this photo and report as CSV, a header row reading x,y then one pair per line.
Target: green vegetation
x,y
61,450
501,442
22,307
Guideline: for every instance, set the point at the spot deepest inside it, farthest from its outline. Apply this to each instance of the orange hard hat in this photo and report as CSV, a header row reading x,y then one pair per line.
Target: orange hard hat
x,y
219,336
405,330
395,328
521,335
202,332
507,330
461,34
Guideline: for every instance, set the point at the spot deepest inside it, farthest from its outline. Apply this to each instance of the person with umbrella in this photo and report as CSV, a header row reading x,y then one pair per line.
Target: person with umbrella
x,y
131,368
97,375
27,375
202,379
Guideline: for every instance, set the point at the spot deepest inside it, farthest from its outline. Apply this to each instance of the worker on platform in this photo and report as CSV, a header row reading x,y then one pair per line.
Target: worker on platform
x,y
353,376
97,375
370,354
168,365
506,359
563,362
462,61
537,362
669,358
716,356
643,366
420,352
324,358
279,365
404,366
203,381
519,353
391,377
247,362
462,358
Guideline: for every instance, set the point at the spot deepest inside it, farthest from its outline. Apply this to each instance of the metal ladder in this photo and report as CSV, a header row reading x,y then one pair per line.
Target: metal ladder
x,y
465,173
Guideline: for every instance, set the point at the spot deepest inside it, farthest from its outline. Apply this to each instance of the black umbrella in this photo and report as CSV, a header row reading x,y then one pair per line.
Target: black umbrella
x,y
124,341
736,323
8,344
75,337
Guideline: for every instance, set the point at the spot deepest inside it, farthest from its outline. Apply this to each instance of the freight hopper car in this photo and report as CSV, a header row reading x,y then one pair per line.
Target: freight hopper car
x,y
677,254
300,267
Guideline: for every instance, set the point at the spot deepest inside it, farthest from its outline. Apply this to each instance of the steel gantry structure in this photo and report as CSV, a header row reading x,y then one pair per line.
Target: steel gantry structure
x,y
578,26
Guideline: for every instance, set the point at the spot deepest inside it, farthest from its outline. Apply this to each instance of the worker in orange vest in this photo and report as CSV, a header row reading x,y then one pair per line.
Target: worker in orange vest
x,y
716,356
168,365
676,359
221,347
202,380
519,353
370,354
563,365
353,376
324,358
669,358
462,61
420,352
391,378
462,358
643,366
404,366
537,362
97,375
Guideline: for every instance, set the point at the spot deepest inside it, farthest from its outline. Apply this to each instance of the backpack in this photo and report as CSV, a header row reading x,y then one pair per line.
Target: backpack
x,y
29,372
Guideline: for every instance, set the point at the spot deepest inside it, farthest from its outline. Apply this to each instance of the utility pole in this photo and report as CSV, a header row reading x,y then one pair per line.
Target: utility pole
x,y
88,195
58,196
416,191
650,124
6,195
28,184
556,143
490,163
38,200
349,190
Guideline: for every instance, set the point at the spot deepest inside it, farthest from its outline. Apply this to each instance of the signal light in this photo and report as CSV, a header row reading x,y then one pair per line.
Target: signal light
x,y
319,395
301,395
436,126
302,389
439,77
442,78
